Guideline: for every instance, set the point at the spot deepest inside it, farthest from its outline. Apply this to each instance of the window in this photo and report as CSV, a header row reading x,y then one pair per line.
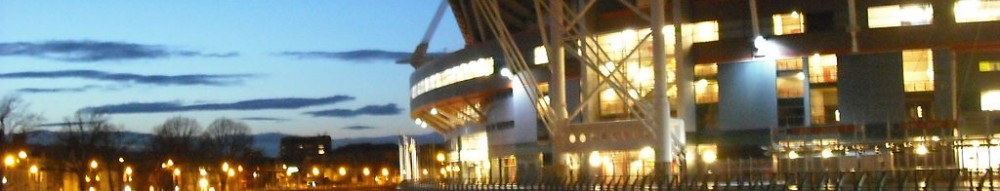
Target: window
x,y
706,91
989,66
706,31
899,15
990,100
823,105
610,103
706,69
791,23
541,56
918,70
789,64
977,11
823,68
790,85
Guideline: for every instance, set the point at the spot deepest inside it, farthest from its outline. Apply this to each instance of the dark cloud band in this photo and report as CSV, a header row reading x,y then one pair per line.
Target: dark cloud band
x,y
272,119
357,55
190,79
257,104
358,127
387,109
58,90
95,51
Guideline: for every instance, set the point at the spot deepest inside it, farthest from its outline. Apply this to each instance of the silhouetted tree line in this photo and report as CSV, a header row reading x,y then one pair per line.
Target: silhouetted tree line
x,y
86,137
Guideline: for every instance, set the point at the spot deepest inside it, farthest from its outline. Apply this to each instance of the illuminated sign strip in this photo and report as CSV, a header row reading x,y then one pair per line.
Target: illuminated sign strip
x,y
465,71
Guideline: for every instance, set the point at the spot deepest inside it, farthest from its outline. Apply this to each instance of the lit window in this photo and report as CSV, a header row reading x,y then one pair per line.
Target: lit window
x,y
990,100
465,71
823,68
610,103
977,11
706,69
789,64
706,91
918,70
791,23
541,57
790,85
899,15
706,31
989,66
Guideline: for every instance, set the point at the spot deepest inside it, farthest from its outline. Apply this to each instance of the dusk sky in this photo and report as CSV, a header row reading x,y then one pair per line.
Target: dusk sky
x,y
295,67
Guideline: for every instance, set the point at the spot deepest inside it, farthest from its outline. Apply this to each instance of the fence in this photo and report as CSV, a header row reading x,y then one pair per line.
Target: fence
x,y
944,179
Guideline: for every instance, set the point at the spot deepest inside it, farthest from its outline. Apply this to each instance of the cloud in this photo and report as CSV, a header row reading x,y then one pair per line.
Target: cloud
x,y
271,119
189,79
58,90
61,124
356,55
95,51
387,109
358,127
256,104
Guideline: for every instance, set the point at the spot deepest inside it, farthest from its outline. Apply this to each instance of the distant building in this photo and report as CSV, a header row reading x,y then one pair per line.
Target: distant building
x,y
300,150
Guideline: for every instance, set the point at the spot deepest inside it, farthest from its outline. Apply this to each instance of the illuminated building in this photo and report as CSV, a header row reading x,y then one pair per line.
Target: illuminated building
x,y
749,79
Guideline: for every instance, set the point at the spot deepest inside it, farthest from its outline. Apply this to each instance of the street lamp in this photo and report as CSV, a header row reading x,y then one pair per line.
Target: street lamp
x,y
33,169
342,171
440,157
22,155
366,171
93,164
9,161
385,172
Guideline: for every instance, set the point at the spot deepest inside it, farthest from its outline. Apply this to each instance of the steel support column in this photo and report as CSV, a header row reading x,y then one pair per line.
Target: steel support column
x,y
661,109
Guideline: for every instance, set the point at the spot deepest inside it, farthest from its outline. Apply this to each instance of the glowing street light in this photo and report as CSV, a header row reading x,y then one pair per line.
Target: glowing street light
x,y
793,155
33,169
315,171
121,159
231,173
22,155
366,171
177,172
203,183
128,170
709,157
921,150
826,153
440,157
225,166
385,172
9,161
93,164
342,171
170,162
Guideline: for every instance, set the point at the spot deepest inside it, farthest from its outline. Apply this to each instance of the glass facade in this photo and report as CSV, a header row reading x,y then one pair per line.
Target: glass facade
x,y
899,15
918,70
967,11
989,66
823,68
790,23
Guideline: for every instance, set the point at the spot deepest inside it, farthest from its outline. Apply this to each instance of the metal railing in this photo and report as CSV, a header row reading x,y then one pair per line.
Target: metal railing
x,y
939,179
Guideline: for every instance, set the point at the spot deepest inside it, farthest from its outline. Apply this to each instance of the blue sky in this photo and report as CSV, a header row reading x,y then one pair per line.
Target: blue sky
x,y
282,66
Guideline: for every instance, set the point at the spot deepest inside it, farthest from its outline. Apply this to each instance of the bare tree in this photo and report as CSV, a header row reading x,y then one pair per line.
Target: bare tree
x,y
176,138
14,118
228,139
87,137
